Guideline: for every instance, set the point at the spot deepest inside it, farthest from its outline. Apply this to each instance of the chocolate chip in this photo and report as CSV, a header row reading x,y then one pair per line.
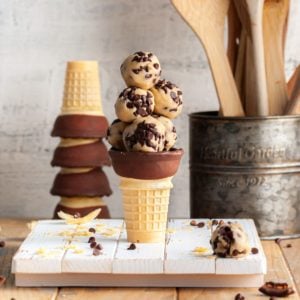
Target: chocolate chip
x,y
173,95
235,252
254,250
278,241
215,222
91,239
288,246
201,224
136,71
2,244
96,252
93,230
2,280
93,244
156,65
193,223
99,247
239,296
132,247
147,76
276,289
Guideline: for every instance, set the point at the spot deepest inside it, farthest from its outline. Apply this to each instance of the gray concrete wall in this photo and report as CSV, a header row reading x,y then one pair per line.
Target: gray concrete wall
x,y
37,37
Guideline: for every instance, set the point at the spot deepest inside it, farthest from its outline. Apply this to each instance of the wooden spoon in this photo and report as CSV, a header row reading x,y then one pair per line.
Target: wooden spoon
x,y
207,19
293,107
274,22
251,16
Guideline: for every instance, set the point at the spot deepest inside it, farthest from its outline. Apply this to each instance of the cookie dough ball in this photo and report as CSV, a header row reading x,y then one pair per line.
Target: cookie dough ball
x,y
230,240
171,135
145,134
115,134
141,69
168,99
134,102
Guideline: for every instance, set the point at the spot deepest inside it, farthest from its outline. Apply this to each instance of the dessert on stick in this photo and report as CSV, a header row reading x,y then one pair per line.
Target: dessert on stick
x,y
81,153
142,152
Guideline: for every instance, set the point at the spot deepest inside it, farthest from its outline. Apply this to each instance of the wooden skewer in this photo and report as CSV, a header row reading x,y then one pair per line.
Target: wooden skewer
x,y
207,19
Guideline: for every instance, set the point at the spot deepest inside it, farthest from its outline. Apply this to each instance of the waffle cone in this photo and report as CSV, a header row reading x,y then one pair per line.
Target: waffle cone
x,y
82,89
145,204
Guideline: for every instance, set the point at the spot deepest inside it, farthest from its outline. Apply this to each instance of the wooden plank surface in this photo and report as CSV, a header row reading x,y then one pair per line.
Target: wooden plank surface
x,y
14,231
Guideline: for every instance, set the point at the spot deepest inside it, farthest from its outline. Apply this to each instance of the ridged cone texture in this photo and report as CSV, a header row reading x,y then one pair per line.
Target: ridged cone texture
x,y
146,204
82,89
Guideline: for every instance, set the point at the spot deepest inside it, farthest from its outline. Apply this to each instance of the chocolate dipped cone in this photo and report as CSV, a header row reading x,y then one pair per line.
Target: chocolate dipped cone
x,y
80,126
76,153
82,206
81,182
145,185
82,89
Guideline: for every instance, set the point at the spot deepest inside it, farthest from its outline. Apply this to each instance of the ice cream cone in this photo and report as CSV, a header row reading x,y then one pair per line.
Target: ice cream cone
x,y
82,89
145,204
82,206
145,185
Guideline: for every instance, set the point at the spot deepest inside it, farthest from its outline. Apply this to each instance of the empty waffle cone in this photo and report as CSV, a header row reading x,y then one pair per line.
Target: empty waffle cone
x,y
145,204
82,89
74,153
82,206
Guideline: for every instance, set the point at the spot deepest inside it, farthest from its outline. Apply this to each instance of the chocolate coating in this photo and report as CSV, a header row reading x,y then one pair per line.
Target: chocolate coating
x,y
88,155
82,211
93,183
80,126
146,165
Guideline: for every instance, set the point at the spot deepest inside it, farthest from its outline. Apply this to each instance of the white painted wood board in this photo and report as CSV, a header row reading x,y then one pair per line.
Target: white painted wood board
x,y
68,256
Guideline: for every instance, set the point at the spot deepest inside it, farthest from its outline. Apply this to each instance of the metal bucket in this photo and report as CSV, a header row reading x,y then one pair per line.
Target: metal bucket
x,y
246,168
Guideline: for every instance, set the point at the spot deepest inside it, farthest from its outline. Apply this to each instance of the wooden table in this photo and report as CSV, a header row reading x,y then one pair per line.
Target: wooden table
x,y
283,265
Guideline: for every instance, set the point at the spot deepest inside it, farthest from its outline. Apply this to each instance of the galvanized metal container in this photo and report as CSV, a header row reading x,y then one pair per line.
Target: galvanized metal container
x,y
246,168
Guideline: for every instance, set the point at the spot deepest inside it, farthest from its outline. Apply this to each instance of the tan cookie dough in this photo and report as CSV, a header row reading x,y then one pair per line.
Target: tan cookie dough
x,y
168,99
134,102
230,240
145,134
171,135
141,69
115,134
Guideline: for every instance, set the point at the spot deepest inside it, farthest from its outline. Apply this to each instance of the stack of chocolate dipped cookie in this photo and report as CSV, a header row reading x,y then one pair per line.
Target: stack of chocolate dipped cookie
x,y
81,153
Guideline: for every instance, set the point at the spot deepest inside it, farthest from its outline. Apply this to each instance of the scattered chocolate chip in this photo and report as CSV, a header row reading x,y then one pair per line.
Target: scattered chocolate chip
x,y
132,247
93,230
276,289
147,76
278,241
254,250
215,222
99,247
96,252
2,244
2,280
93,244
235,252
201,224
156,65
288,246
239,296
91,239
193,223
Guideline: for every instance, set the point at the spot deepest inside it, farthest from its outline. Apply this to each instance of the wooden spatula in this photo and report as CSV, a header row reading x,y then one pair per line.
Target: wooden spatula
x,y
293,107
274,20
207,19
251,16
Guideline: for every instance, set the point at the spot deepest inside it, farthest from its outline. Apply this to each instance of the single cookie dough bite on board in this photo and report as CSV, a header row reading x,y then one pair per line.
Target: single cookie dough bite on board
x,y
115,134
145,134
230,240
134,102
171,135
168,99
141,69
